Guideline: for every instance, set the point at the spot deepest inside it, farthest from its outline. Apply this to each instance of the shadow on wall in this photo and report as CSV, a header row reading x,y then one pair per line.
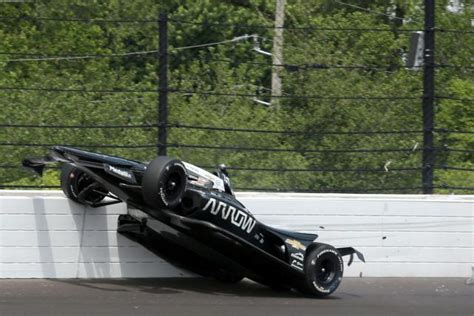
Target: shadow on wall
x,y
47,258
74,241
95,259
60,259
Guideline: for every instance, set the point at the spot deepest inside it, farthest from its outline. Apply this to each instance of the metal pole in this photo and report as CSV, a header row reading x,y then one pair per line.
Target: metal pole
x,y
162,83
428,98
277,52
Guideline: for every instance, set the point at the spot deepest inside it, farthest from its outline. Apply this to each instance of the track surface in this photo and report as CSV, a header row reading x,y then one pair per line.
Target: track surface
x,y
355,296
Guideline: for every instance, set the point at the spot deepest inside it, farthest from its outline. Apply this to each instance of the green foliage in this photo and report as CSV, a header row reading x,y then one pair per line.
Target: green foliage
x,y
234,68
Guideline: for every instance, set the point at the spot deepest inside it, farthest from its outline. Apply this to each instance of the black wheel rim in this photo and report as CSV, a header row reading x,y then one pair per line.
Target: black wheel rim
x,y
326,271
81,182
173,184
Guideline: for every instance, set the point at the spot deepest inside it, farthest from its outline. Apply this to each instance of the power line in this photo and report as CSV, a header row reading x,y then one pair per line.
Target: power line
x,y
234,40
181,21
302,28
114,90
369,10
139,53
65,19
76,57
288,67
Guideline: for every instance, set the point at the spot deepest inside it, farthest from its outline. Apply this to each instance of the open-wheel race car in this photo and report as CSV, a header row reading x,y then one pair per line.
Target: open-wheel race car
x,y
191,217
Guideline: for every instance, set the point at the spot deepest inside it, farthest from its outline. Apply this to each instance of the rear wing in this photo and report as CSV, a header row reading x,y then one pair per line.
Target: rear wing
x,y
37,164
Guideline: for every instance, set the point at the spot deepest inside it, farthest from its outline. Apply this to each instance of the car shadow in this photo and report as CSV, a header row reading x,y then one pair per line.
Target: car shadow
x,y
245,288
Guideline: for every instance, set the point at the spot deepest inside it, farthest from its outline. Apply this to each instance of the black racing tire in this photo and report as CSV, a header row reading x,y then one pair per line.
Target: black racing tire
x,y
73,181
164,183
323,270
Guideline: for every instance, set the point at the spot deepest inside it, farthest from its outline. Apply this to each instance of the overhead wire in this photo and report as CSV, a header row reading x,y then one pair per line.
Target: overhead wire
x,y
67,19
77,57
370,10
302,28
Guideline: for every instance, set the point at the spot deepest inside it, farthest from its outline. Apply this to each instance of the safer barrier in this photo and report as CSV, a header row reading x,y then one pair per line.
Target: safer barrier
x,y
44,235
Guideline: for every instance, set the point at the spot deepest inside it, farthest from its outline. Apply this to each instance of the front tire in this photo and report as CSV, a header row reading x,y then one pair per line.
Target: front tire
x,y
164,183
323,270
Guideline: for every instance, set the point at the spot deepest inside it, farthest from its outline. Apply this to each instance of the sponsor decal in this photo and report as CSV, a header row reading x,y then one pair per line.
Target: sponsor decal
x,y
295,244
333,284
227,212
125,174
297,261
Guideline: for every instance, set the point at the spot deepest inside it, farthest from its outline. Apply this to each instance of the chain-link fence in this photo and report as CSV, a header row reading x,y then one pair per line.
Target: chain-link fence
x,y
351,116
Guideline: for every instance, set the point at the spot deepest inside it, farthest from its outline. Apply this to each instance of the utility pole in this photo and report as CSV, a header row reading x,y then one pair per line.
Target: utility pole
x,y
428,97
277,53
162,83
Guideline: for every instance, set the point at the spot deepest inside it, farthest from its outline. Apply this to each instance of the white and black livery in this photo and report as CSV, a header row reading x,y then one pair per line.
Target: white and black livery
x,y
191,218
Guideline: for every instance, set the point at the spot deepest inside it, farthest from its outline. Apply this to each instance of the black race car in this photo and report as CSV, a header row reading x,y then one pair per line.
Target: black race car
x,y
191,217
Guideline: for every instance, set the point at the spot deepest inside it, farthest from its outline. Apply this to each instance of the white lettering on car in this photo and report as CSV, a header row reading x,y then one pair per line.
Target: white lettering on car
x,y
118,171
237,217
297,262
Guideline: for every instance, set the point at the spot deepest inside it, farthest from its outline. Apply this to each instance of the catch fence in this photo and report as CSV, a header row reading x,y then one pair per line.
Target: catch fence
x,y
364,126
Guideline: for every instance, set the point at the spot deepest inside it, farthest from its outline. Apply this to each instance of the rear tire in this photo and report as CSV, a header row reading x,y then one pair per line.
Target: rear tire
x,y
74,181
323,268
164,183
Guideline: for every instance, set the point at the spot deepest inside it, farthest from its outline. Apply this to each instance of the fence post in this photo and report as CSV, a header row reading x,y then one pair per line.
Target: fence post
x,y
428,98
162,83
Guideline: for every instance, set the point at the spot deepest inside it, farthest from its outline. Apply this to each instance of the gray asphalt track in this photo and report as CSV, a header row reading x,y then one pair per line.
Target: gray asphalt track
x,y
355,296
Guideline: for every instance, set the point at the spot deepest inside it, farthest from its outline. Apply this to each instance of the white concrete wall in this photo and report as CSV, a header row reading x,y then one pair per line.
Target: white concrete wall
x,y
43,235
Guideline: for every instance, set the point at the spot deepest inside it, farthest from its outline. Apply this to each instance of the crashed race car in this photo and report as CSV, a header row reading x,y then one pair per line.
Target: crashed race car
x,y
191,218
